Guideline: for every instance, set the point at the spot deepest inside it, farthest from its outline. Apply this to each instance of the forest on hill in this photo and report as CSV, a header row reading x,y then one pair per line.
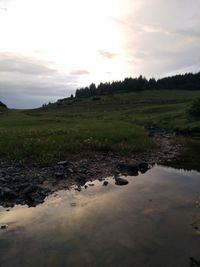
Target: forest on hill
x,y
188,81
2,105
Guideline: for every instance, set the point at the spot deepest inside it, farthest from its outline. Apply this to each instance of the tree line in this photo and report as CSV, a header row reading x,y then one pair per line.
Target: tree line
x,y
2,105
187,81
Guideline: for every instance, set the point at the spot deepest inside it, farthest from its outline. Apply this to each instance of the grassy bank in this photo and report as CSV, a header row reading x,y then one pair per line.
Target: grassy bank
x,y
47,138
111,123
163,108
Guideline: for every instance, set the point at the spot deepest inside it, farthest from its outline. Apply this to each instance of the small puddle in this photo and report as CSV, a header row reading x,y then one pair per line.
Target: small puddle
x,y
144,223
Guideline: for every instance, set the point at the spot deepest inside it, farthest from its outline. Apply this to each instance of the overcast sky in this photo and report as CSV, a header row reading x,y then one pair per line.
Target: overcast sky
x,y
48,48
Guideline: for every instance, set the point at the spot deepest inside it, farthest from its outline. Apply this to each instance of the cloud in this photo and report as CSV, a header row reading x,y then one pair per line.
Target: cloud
x,y
153,29
28,82
16,63
106,54
22,95
156,43
79,72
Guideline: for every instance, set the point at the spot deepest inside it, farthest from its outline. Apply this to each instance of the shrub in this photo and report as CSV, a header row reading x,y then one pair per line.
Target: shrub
x,y
194,109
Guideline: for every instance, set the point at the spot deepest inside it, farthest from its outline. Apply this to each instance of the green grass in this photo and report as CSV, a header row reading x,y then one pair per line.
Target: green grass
x,y
113,123
46,139
164,108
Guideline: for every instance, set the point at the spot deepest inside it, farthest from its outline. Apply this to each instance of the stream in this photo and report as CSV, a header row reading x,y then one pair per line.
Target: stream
x,y
144,223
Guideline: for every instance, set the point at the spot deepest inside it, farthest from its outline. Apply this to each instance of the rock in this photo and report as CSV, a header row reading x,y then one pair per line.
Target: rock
x,y
3,173
143,167
59,175
70,170
81,179
4,226
11,169
133,168
7,193
91,184
29,189
105,183
63,163
34,199
24,185
120,181
83,171
5,190
194,262
78,188
3,180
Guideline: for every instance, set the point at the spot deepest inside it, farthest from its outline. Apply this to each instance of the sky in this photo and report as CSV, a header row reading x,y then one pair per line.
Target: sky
x,y
49,48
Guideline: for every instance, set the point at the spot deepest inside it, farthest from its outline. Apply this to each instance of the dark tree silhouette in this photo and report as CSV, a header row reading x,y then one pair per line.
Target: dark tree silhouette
x,y
188,81
2,105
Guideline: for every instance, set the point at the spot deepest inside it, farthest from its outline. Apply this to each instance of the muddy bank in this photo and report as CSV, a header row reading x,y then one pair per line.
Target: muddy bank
x,y
31,184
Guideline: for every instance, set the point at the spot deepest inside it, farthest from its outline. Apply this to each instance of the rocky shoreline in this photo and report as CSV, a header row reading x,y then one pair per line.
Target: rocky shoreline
x,y
31,184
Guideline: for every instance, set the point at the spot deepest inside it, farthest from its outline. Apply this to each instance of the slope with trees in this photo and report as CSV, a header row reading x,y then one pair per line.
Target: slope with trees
x,y
188,81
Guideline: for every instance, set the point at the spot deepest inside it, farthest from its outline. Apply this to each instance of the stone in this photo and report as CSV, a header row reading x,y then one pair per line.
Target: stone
x,y
63,163
3,180
129,168
6,193
70,170
143,167
34,199
59,175
105,183
29,189
133,168
78,188
5,190
3,226
120,181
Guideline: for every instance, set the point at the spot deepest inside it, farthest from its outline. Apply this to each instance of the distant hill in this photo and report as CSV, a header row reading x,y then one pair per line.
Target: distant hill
x,y
181,82
187,81
2,106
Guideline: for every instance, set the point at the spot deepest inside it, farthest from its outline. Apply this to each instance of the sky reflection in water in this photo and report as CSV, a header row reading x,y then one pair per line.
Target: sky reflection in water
x,y
146,223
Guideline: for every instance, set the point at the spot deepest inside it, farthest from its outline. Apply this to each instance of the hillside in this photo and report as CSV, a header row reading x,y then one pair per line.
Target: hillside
x,y
162,108
3,107
113,123
187,81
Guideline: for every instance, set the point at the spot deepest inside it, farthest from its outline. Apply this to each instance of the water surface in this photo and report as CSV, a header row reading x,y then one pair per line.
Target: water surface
x,y
145,223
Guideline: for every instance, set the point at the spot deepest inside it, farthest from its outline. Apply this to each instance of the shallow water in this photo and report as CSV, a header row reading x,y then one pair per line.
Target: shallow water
x,y
145,223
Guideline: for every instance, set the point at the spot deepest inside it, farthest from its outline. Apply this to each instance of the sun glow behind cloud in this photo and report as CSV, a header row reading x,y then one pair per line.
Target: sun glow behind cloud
x,y
66,33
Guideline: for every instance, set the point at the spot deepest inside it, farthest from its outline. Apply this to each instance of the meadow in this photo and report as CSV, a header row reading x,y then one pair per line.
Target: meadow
x,y
109,123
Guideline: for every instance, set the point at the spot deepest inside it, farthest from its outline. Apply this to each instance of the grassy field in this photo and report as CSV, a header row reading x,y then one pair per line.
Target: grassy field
x,y
112,123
